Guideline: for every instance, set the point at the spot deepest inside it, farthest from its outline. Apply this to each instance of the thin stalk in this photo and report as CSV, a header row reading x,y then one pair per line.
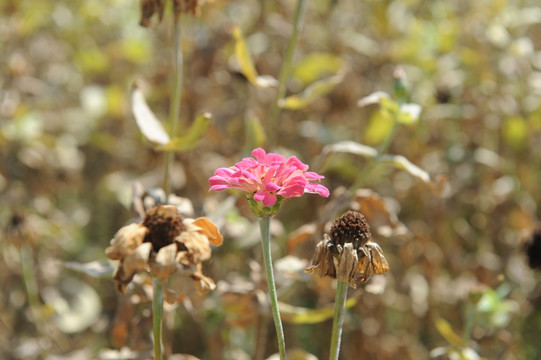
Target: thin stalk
x,y
174,110
32,291
470,319
157,316
288,61
374,161
338,320
264,225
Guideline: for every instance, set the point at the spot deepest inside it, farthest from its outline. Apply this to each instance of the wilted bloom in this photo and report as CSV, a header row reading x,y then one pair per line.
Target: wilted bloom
x,y
268,179
164,243
533,248
348,254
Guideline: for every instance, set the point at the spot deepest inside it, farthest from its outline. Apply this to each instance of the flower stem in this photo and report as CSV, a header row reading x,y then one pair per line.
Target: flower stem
x,y
288,60
174,110
339,309
157,316
264,225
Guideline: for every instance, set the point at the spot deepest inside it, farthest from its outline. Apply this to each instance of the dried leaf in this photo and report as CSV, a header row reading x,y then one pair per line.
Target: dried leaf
x,y
148,123
300,235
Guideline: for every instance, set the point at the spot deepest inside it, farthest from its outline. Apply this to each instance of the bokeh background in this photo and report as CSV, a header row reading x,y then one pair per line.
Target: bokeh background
x,y
70,153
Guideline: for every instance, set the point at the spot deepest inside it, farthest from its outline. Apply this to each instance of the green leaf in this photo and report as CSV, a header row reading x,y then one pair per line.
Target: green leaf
x,y
148,123
247,65
515,132
374,98
445,329
300,315
438,184
191,139
255,133
316,66
379,127
351,147
409,113
313,92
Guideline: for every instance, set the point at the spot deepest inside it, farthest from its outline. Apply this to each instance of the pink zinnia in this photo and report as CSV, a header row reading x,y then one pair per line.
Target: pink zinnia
x,y
267,177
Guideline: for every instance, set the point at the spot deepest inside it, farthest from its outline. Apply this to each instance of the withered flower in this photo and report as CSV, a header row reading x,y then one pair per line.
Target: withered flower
x,y
163,244
533,248
348,254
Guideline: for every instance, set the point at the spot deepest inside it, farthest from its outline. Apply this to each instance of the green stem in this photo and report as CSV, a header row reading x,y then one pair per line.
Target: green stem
x,y
339,309
174,110
264,225
157,316
374,161
288,61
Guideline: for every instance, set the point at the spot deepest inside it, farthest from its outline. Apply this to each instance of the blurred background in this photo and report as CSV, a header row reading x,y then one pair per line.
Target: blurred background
x,y
452,230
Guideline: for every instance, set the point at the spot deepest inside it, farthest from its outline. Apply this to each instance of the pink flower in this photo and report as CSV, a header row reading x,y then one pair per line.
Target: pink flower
x,y
268,177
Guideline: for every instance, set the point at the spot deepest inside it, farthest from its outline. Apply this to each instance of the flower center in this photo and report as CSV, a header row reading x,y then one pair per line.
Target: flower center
x,y
350,228
164,223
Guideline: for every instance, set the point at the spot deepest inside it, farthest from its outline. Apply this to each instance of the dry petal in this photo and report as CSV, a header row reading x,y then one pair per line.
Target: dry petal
x,y
323,259
164,264
210,230
196,245
347,266
125,241
134,262
203,283
379,263
365,265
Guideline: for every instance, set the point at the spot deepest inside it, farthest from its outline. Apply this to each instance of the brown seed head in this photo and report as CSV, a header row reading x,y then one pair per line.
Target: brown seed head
x,y
164,223
350,228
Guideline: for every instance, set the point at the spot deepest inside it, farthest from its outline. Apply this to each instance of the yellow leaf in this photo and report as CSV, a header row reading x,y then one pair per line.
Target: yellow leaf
x,y
445,330
313,92
246,63
300,315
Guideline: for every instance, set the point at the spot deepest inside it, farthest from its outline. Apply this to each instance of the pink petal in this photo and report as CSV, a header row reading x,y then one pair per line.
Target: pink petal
x,y
317,189
309,175
260,155
268,199
293,161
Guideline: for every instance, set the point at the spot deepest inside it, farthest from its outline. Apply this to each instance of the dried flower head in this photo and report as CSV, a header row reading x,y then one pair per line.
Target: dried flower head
x,y
164,243
348,254
533,248
268,179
